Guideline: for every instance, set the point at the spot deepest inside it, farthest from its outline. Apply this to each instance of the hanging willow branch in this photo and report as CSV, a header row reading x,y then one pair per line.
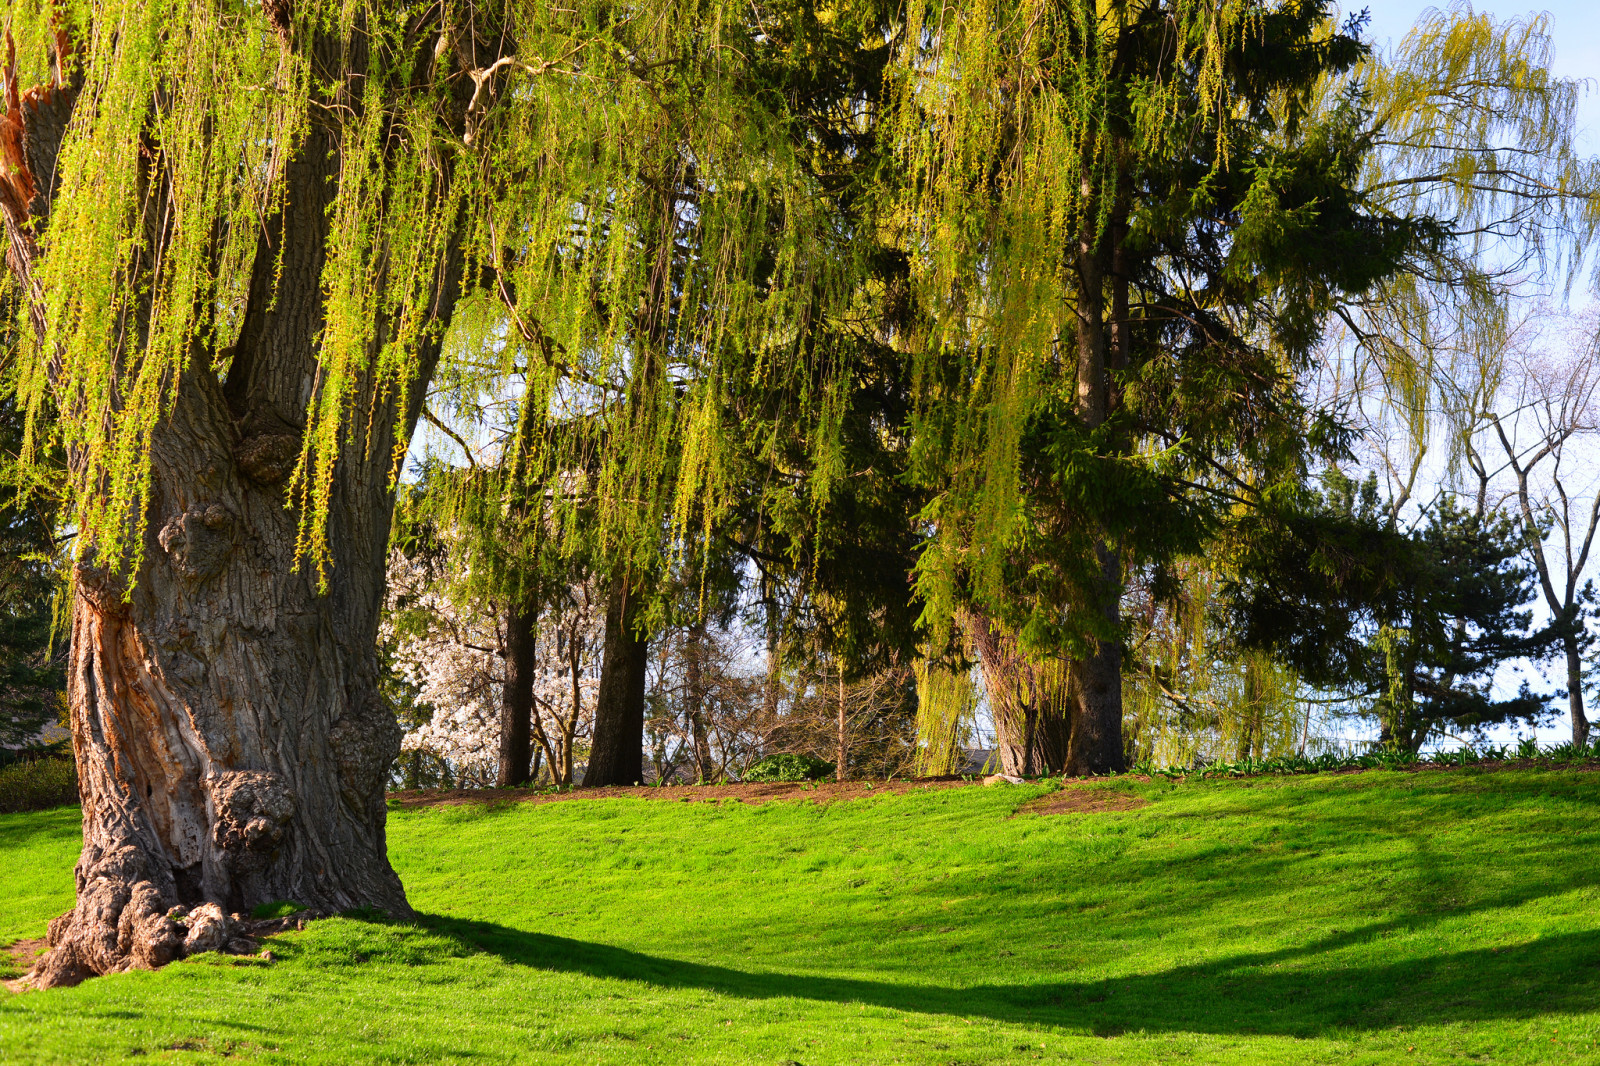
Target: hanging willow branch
x,y
559,181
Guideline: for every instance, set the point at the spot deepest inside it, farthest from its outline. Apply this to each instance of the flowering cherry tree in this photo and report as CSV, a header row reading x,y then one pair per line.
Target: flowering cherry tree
x,y
449,650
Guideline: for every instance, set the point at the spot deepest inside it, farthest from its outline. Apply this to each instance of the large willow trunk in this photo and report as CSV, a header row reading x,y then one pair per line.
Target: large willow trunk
x,y
232,747
231,744
1028,701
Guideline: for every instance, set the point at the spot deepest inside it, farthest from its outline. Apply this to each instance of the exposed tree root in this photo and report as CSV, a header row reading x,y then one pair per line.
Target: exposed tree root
x,y
115,929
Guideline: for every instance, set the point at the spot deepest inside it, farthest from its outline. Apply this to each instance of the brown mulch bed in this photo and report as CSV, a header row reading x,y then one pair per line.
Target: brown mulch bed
x,y
1083,801
1069,800
759,792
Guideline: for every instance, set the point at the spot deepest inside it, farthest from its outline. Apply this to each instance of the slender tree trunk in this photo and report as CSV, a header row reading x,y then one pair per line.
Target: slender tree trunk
x,y
1559,605
842,752
1580,721
616,755
516,705
773,688
695,696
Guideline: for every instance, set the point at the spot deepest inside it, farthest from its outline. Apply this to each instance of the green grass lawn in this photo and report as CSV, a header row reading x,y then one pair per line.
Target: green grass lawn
x,y
1379,917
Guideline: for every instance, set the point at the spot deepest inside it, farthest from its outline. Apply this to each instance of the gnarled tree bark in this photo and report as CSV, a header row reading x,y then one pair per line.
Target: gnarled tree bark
x,y
232,747
1032,715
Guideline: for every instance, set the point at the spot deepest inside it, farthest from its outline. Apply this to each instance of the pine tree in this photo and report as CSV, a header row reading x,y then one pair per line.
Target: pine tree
x,y
1410,625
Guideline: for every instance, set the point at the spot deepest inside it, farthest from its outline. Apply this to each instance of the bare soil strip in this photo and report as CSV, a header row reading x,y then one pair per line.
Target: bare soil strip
x,y
1062,802
1083,801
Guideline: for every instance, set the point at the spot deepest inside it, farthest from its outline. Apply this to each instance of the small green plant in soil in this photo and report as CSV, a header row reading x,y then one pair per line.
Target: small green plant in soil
x,y
788,766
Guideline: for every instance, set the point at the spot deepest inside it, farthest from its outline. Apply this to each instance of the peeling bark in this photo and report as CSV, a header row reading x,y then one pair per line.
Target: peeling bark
x,y
231,744
1032,720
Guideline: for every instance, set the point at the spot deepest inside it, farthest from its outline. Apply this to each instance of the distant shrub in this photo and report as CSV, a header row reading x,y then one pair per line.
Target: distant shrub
x,y
38,785
787,766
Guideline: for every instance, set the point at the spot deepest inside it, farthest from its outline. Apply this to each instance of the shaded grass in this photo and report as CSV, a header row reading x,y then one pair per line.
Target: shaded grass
x,y
1373,918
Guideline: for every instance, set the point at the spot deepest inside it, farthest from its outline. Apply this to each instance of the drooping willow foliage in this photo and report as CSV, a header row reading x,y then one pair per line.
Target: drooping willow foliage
x,y
1195,695
140,283
1036,136
947,703
1469,124
603,141
648,239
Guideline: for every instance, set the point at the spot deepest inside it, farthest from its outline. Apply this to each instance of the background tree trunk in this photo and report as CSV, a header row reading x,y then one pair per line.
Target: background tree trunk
x,y
772,687
616,755
1096,683
1012,714
842,749
1029,705
695,697
1580,721
1096,746
516,705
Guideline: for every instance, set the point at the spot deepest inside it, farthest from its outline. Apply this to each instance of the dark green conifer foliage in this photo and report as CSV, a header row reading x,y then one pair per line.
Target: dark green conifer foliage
x,y
1409,624
31,679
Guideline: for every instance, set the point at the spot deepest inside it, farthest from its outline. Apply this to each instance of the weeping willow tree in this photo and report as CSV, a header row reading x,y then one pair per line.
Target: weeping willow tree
x,y
1128,220
1470,125
946,709
248,239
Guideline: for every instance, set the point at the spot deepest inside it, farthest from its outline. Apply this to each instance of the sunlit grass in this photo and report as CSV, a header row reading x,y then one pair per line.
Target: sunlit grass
x,y
1428,917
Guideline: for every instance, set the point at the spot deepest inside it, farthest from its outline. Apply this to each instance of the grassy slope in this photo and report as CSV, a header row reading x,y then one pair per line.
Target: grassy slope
x,y
1383,917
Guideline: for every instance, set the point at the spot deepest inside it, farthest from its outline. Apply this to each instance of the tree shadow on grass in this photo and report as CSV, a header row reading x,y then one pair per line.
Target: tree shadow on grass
x,y
1242,995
